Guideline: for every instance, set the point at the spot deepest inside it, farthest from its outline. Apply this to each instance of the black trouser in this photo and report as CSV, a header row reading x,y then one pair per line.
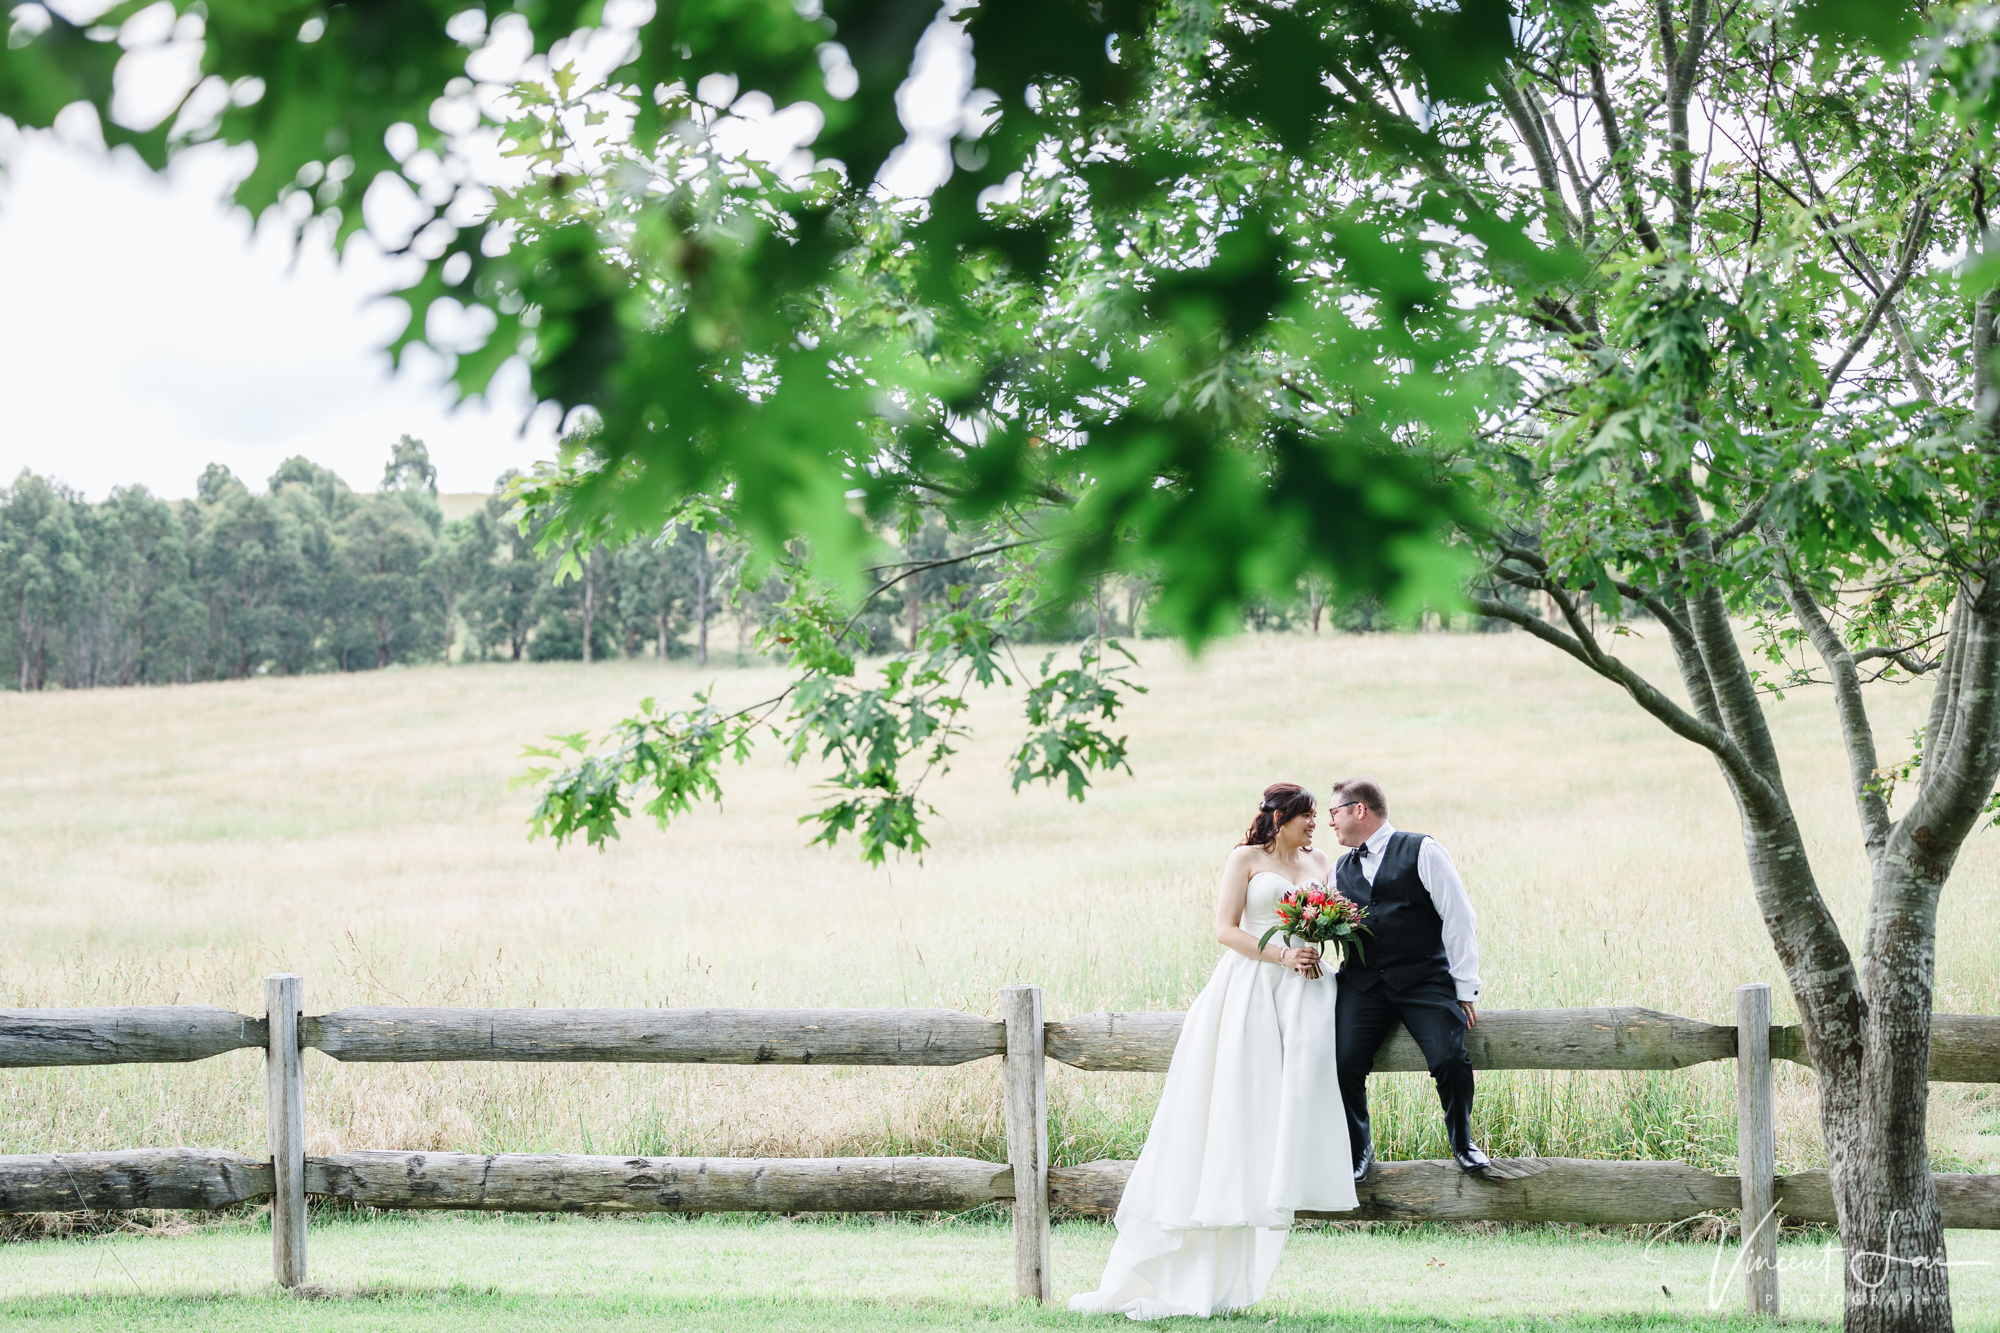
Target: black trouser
x,y
1365,1016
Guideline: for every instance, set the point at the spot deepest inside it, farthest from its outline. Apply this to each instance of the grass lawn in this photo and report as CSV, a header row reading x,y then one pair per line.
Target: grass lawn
x,y
502,1272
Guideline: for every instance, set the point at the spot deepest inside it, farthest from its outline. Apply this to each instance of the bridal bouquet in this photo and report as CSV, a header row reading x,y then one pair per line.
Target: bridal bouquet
x,y
1320,915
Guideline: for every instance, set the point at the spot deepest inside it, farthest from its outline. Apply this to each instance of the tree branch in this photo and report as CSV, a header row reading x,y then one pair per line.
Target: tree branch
x,y
1914,232
1681,63
1900,656
1987,402
1852,710
919,566
1943,711
1906,352
1586,212
1694,673
1851,254
1643,692
1046,491
1722,661
1675,625
1614,141
1528,126
1745,522
1531,582
910,568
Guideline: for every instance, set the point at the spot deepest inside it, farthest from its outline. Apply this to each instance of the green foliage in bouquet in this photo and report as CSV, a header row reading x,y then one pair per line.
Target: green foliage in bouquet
x,y
1319,915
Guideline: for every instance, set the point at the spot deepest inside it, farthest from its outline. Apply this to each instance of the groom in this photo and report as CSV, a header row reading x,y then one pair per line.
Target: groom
x,y
1420,966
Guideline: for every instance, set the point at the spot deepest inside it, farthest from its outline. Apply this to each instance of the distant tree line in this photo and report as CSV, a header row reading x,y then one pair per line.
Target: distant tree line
x,y
311,575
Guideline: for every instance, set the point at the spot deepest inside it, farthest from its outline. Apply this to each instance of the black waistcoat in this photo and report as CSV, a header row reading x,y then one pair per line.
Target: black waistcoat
x,y
1406,946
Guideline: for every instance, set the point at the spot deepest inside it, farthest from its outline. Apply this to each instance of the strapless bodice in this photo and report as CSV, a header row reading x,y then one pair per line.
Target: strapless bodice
x,y
1260,904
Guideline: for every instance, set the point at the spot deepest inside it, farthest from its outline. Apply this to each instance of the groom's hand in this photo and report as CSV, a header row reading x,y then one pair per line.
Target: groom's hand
x,y
1471,1013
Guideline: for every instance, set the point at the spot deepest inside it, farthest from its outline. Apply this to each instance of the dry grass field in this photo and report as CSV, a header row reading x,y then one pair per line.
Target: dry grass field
x,y
175,845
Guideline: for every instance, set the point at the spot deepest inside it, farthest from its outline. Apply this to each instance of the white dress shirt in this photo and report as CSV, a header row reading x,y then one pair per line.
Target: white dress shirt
x,y
1447,890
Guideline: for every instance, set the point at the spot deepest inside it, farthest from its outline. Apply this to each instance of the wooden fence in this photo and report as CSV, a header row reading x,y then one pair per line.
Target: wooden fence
x,y
1965,1048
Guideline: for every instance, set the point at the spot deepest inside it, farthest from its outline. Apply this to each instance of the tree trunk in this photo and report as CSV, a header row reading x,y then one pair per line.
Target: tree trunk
x,y
1872,1119
913,611
589,608
1890,1224
1891,1228
1876,1151
1871,1056
701,589
134,669
660,628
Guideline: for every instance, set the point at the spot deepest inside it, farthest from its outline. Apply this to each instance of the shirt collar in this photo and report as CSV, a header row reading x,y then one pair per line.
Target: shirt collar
x,y
1379,839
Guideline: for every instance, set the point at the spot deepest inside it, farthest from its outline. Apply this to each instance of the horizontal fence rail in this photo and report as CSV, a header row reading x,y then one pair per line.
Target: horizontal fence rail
x,y
508,1182
153,1034
1554,1189
1605,1038
1535,1189
666,1036
199,1178
528,1182
1964,1048
1622,1038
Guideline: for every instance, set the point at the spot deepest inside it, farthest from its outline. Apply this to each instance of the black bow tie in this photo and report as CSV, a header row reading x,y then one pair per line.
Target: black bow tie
x,y
1361,853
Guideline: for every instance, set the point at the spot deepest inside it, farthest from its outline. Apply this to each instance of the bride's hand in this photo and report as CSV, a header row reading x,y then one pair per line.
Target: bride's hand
x,y
1302,959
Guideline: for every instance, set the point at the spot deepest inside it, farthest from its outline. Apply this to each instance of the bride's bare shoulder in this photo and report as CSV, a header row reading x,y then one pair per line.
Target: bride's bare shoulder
x,y
1243,857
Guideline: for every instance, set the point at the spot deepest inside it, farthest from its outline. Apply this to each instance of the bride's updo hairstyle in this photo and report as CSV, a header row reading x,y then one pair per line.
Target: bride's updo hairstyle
x,y
1283,802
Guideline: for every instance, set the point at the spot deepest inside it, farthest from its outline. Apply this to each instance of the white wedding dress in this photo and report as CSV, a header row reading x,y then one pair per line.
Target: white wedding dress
x,y
1249,1129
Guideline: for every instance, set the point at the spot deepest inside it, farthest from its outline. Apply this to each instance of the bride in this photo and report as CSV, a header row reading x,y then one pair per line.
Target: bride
x,y
1249,1127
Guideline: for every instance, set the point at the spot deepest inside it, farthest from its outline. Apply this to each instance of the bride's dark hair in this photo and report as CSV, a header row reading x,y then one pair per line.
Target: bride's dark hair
x,y
1283,802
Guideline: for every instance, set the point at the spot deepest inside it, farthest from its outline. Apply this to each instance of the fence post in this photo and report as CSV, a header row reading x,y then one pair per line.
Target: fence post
x,y
1757,1148
1024,1081
285,1127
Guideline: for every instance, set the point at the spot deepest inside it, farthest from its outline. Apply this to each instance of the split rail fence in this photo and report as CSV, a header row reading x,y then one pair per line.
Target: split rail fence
x,y
1964,1048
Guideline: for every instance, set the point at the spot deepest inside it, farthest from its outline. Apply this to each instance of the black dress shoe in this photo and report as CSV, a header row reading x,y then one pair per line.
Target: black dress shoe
x,y
1365,1165
1473,1162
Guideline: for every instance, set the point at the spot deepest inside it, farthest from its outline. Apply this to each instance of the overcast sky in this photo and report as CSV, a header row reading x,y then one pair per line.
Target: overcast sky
x,y
145,332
